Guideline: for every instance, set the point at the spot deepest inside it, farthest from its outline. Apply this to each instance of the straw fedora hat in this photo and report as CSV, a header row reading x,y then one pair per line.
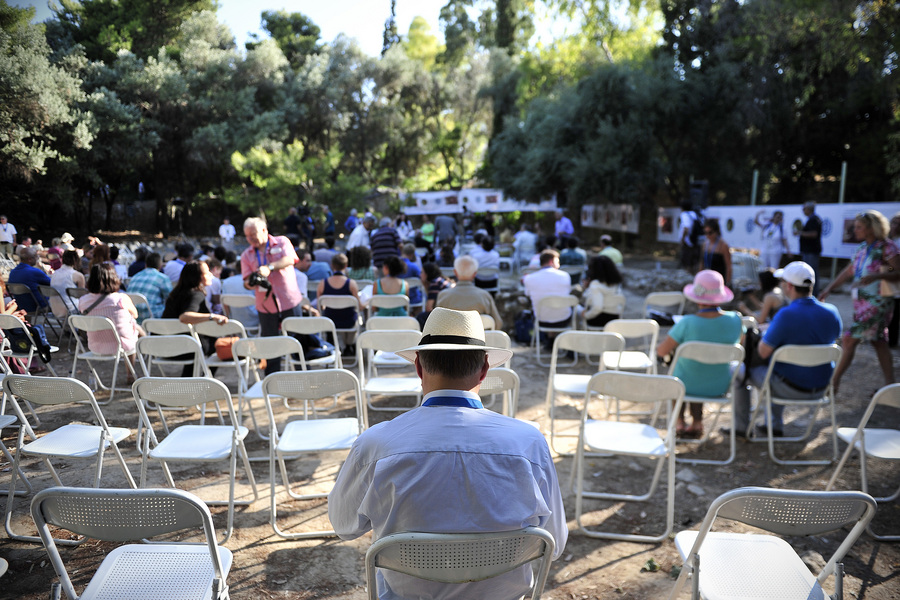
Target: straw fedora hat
x,y
708,288
448,329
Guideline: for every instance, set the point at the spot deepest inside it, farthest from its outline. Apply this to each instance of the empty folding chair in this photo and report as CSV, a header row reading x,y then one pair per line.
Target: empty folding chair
x,y
160,570
669,303
741,565
503,382
192,442
298,438
574,384
803,356
460,557
872,442
712,355
322,327
498,339
635,440
101,327
167,327
212,329
247,354
487,321
72,441
380,384
550,303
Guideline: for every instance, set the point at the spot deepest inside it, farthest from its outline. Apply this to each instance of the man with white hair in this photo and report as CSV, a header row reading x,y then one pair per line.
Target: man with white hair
x,y
360,234
466,295
267,267
450,465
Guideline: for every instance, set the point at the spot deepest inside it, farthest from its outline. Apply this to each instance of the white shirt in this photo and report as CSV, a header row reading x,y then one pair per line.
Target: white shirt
x,y
227,232
173,270
486,259
248,316
686,221
548,282
358,237
449,469
7,232
302,281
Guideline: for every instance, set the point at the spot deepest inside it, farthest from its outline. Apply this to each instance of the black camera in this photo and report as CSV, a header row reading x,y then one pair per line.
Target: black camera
x,y
256,279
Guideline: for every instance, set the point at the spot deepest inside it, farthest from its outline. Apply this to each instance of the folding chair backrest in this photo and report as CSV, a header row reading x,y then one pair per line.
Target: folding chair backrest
x,y
337,302
550,302
138,299
708,353
388,341
47,390
635,387
487,321
168,346
20,289
500,380
239,300
275,346
215,330
89,323
166,327
497,339
75,293
669,300
309,325
889,395
181,391
806,356
588,342
391,323
388,301
460,557
635,328
11,322
311,385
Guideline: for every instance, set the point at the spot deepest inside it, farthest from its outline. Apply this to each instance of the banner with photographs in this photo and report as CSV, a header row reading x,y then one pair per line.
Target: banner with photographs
x,y
611,217
474,200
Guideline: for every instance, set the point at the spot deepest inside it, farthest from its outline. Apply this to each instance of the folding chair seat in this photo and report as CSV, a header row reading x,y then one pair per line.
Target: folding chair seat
x,y
460,557
804,356
671,303
321,326
503,381
40,313
215,330
192,442
386,301
159,570
375,384
550,303
167,327
99,326
636,440
299,438
24,359
337,302
498,339
614,304
711,354
241,301
73,441
872,442
727,565
251,351
574,384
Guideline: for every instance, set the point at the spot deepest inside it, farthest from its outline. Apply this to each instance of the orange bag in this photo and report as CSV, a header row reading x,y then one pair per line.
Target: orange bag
x,y
223,347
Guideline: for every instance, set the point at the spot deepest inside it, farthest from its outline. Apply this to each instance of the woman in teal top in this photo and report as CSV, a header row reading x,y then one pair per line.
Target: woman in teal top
x,y
390,284
710,324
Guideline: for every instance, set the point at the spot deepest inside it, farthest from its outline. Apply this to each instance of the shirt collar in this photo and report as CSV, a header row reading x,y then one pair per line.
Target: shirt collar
x,y
472,397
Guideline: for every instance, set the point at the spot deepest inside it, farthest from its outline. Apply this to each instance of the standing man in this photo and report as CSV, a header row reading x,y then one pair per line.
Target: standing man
x,y
272,259
549,281
450,465
446,229
811,241
227,233
155,286
352,221
292,226
563,228
329,222
691,224
804,322
7,236
385,243
360,235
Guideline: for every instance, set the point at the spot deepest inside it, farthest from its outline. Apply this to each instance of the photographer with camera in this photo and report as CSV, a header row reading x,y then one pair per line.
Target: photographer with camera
x,y
267,267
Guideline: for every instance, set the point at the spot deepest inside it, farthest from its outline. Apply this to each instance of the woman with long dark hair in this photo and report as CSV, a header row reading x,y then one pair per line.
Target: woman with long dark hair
x,y
603,280
187,303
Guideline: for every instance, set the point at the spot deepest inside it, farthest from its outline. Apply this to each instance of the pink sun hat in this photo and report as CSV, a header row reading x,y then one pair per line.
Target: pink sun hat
x,y
708,288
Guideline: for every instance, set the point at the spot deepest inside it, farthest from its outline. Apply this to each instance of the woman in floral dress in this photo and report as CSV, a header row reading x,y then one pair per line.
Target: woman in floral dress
x,y
876,259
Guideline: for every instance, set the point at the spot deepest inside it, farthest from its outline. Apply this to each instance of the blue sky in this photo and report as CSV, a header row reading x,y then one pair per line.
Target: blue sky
x,y
362,19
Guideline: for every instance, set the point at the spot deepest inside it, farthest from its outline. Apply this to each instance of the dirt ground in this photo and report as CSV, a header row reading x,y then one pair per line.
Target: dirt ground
x,y
267,566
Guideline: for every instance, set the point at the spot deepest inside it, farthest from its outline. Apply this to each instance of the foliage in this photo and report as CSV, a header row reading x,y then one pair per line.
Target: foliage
x,y
295,33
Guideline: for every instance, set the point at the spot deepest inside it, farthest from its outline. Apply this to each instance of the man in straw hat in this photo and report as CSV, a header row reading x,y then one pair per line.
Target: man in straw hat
x,y
450,465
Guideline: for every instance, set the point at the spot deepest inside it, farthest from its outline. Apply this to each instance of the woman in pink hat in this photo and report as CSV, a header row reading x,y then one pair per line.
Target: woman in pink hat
x,y
710,324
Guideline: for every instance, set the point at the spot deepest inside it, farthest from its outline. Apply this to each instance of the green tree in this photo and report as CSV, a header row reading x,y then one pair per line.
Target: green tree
x,y
295,33
391,37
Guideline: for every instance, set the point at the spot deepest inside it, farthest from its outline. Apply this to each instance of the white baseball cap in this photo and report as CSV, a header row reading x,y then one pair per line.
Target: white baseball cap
x,y
797,273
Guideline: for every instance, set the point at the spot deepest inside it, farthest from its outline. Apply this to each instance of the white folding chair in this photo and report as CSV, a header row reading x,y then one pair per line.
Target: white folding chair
x,y
498,339
503,381
375,384
159,570
614,304
574,384
251,351
168,327
872,442
460,557
40,313
740,565
550,303
72,441
140,301
416,283
322,326
636,440
189,442
164,349
392,323
23,359
213,329
669,302
241,301
487,321
386,301
338,302
98,326
49,293
641,336
803,356
711,355
489,274
299,438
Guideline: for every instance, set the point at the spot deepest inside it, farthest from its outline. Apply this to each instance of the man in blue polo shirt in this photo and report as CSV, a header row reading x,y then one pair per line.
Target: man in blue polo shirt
x,y
804,322
26,272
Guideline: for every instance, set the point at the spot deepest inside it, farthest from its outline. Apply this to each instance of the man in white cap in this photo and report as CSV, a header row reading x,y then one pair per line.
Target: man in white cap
x,y
804,322
450,465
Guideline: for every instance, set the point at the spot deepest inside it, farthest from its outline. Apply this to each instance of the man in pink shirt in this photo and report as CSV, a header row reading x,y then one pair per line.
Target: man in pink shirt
x,y
267,267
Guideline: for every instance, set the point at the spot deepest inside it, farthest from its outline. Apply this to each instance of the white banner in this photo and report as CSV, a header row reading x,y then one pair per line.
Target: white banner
x,y
611,217
475,200
740,231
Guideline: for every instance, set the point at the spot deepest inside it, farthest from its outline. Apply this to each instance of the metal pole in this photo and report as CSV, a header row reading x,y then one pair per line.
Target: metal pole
x,y
754,187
